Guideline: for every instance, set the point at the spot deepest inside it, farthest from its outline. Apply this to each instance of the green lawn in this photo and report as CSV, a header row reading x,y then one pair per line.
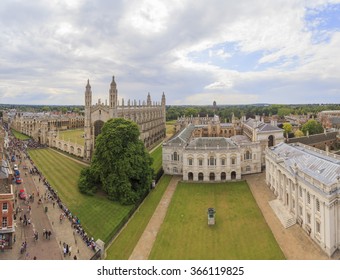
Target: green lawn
x,y
75,136
98,215
123,245
157,159
19,135
240,231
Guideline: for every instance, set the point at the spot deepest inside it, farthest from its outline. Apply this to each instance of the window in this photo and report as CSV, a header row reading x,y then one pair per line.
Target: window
x,y
200,162
233,160
308,218
212,161
247,155
318,227
248,168
223,161
300,210
308,198
4,222
293,202
4,206
175,157
317,205
300,191
190,161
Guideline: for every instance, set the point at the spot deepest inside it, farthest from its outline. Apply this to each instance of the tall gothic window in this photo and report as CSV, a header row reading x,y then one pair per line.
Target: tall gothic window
x,y
98,128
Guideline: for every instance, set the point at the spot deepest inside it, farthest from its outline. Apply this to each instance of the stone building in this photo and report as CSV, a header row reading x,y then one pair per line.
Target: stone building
x,y
7,228
330,119
306,182
149,116
208,150
41,126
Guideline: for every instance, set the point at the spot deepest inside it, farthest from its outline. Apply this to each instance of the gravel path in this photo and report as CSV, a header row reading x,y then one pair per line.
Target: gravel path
x,y
146,241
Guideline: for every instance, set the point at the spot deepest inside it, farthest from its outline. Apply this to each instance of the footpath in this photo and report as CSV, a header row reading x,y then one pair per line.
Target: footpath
x,y
146,241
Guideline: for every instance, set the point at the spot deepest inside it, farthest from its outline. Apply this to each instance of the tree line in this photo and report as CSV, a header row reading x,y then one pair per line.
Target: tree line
x,y
225,111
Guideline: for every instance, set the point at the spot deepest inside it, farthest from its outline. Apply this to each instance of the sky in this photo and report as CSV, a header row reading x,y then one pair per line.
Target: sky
x,y
195,51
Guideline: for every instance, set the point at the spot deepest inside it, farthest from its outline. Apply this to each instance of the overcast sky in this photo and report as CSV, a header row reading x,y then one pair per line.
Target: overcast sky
x,y
195,51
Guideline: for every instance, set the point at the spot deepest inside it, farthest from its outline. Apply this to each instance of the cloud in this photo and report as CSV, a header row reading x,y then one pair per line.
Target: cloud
x,y
227,50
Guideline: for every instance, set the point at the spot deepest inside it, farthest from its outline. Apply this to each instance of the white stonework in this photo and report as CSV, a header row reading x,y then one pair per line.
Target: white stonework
x,y
306,182
207,150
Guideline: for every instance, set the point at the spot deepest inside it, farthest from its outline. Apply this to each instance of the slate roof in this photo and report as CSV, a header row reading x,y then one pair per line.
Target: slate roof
x,y
319,166
262,127
211,143
313,139
183,136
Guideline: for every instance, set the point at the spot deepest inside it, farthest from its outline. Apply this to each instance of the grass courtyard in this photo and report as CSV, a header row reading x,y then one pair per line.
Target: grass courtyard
x,y
240,231
156,154
74,135
122,247
98,215
19,135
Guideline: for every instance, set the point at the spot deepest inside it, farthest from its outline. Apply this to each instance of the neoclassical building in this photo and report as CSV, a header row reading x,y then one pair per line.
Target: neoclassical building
x,y
208,150
149,116
306,182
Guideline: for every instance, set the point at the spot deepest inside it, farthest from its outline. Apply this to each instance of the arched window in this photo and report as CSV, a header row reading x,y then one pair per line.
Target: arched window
x,y
200,176
223,176
212,176
190,176
270,141
98,128
233,175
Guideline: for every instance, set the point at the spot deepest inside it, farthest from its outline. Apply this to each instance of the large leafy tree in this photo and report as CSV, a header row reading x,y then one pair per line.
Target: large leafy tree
x,y
120,163
312,126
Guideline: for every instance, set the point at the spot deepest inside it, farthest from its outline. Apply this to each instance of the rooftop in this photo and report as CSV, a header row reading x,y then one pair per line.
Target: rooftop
x,y
211,143
313,162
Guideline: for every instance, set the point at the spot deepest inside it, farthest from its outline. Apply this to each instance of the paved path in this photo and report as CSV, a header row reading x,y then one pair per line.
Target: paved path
x,y
43,249
294,242
146,241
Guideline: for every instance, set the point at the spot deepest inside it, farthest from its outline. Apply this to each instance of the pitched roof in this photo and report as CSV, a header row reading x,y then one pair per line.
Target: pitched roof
x,y
211,143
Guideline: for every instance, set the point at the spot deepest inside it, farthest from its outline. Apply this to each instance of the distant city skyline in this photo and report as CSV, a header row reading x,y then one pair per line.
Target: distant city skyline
x,y
249,52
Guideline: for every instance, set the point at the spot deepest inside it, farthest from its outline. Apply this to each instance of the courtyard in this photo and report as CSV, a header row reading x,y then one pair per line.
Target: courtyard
x,y
240,232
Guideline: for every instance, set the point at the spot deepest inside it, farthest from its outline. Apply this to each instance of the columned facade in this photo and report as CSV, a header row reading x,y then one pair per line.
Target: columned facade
x,y
307,183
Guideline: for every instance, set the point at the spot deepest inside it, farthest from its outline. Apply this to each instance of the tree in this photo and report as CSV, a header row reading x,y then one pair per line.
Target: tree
x,y
287,127
313,127
298,133
120,162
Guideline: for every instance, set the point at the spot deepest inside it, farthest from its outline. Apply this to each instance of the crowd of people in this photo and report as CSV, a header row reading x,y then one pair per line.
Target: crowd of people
x,y
18,150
